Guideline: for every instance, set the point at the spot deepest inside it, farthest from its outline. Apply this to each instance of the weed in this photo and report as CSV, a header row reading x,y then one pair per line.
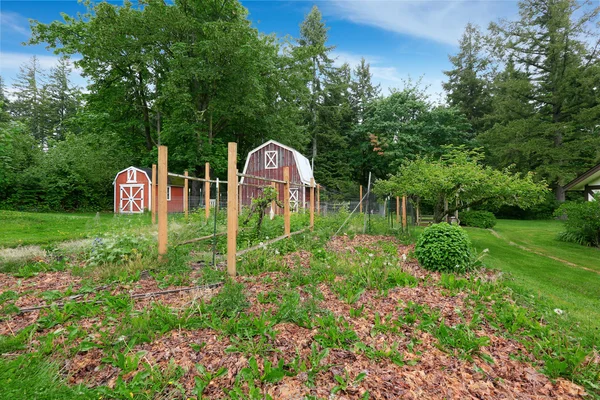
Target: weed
x,y
230,300
348,291
462,341
334,333
125,361
205,378
357,312
10,343
344,382
388,352
316,364
383,325
293,309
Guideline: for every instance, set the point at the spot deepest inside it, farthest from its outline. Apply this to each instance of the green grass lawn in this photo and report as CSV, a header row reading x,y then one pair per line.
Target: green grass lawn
x,y
23,228
541,237
552,284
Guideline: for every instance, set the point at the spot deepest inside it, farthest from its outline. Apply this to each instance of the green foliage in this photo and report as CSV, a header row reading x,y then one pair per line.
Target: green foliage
x,y
405,124
230,300
459,179
344,381
477,219
543,100
581,221
462,340
467,87
334,333
300,312
117,249
205,378
444,247
32,377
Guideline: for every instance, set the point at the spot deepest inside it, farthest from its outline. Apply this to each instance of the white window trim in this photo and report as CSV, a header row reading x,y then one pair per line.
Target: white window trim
x,y
131,176
294,203
271,159
168,193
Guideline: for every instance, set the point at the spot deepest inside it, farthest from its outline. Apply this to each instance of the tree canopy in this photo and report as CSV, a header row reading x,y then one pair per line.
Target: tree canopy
x,y
196,74
458,180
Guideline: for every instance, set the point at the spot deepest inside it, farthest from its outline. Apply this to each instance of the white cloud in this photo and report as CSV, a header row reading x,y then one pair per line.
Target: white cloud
x,y
10,62
14,22
442,21
389,77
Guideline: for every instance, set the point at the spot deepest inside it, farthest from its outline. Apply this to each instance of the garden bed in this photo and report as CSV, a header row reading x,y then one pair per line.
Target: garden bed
x,y
355,318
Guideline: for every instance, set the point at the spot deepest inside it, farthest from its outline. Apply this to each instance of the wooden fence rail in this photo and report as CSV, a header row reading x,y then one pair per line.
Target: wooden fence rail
x,y
232,204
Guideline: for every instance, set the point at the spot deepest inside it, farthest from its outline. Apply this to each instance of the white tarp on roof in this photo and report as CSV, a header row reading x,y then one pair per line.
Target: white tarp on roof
x,y
302,162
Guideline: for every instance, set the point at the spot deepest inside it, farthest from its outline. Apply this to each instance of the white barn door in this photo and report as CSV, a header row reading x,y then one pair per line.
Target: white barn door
x,y
131,198
294,199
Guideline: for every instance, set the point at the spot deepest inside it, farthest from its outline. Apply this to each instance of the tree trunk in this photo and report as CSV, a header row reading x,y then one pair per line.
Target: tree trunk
x,y
210,127
559,193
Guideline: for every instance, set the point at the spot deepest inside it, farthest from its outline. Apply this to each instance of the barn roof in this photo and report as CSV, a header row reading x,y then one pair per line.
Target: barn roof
x,y
171,181
304,168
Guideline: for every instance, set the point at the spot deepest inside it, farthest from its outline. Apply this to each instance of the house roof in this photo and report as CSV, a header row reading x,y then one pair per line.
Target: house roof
x,y
171,181
304,168
579,183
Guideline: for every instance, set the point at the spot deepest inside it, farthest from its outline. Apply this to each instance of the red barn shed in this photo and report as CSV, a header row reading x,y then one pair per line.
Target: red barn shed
x,y
133,187
267,161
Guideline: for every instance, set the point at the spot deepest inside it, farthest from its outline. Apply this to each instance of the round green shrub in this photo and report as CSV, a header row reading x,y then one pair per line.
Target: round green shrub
x,y
445,248
478,219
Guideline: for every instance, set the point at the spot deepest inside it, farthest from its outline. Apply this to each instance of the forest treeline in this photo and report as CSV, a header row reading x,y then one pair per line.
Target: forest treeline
x,y
195,74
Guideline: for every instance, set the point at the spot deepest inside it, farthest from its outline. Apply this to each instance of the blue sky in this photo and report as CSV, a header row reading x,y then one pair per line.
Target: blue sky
x,y
400,39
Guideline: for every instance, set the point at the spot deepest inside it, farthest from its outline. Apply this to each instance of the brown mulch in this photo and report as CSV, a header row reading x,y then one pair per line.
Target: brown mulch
x,y
430,372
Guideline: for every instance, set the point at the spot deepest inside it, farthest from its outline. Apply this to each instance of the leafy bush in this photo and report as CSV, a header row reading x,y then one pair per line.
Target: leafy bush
x,y
478,219
582,222
444,247
118,249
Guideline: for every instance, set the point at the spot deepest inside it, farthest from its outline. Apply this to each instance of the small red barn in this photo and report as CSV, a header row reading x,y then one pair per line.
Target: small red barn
x,y
133,188
267,161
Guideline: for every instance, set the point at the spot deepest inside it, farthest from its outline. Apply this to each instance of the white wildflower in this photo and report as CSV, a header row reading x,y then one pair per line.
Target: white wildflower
x,y
371,255
558,311
403,257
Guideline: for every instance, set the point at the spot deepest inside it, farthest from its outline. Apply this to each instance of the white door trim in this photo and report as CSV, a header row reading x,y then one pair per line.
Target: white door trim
x,y
132,202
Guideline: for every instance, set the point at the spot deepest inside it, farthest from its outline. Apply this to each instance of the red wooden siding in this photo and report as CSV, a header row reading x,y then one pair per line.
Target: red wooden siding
x,y
140,179
256,166
173,205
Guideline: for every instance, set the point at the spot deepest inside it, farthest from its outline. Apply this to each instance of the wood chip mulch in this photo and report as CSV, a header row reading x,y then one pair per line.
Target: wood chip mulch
x,y
429,371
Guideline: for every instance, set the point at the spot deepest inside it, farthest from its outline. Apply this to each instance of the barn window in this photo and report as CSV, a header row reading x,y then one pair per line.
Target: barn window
x,y
131,175
168,193
271,159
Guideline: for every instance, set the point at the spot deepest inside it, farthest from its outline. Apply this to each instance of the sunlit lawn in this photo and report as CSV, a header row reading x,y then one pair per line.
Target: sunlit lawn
x,y
23,228
554,284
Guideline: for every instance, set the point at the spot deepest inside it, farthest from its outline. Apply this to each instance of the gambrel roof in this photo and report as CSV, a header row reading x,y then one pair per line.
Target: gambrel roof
x,y
302,163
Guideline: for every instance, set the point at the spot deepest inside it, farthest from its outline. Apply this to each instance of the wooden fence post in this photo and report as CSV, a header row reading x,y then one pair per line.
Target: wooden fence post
x,y
404,222
232,215
153,194
318,199
162,201
185,194
312,204
418,211
286,201
207,191
360,201
398,210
